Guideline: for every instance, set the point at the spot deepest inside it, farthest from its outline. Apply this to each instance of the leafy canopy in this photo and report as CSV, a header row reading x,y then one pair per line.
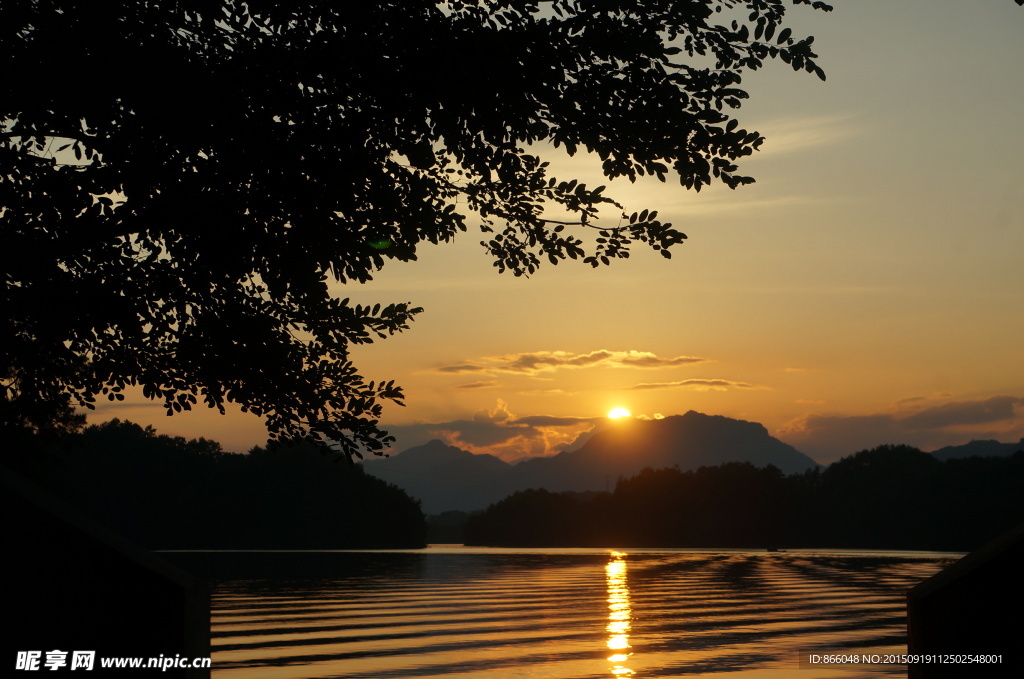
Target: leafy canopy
x,y
179,181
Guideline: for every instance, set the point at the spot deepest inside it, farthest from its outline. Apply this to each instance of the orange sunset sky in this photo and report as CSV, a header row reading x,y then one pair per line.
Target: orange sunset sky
x,y
867,289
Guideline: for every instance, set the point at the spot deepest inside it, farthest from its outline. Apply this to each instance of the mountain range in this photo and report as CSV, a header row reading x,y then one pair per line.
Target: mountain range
x,y
986,448
447,478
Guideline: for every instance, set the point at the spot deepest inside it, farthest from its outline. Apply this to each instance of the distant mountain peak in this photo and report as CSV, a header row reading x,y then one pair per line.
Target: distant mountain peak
x,y
442,476
431,446
976,448
445,477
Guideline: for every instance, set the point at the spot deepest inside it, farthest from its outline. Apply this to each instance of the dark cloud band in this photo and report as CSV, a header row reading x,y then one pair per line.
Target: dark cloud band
x,y
540,361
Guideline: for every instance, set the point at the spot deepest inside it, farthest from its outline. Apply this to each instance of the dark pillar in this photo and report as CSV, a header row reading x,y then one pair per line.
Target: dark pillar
x,y
971,608
73,585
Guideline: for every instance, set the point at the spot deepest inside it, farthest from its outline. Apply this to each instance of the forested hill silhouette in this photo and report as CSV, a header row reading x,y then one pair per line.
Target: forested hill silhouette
x,y
446,478
165,492
890,497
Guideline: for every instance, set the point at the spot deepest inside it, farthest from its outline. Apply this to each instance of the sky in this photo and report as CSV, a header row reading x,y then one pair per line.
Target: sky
x,y
867,289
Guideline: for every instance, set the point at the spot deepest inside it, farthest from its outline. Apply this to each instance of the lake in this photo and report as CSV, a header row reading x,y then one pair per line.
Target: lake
x,y
462,613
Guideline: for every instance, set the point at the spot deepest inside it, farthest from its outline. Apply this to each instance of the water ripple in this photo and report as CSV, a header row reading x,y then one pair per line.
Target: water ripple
x,y
567,616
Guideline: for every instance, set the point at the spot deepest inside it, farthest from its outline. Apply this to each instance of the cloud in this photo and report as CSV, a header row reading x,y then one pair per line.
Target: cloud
x,y
551,421
722,204
499,414
911,400
826,437
461,368
698,384
499,432
643,359
486,384
799,133
550,360
531,363
101,406
995,409
548,392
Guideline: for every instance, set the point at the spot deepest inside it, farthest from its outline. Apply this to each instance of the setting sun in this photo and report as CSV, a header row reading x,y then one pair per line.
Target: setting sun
x,y
616,413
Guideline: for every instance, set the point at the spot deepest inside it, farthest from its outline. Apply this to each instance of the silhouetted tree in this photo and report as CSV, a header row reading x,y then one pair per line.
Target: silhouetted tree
x,y
181,180
30,432
977,499
655,507
889,497
535,517
882,498
169,492
731,505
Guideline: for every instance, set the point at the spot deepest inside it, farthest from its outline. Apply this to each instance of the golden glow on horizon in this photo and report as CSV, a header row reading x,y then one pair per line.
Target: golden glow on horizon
x,y
617,413
619,613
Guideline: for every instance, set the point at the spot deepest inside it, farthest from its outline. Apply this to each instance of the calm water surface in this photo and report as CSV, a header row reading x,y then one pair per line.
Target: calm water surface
x,y
559,614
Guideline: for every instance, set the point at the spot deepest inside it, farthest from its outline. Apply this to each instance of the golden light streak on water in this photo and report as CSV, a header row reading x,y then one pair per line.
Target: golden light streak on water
x,y
619,613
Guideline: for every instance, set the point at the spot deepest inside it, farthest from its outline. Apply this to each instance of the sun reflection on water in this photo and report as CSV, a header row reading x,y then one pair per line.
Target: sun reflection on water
x,y
619,614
